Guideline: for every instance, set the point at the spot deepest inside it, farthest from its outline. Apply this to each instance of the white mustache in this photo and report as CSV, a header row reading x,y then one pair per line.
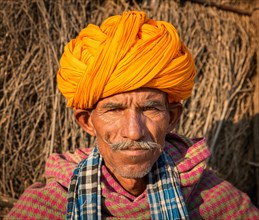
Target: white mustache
x,y
142,145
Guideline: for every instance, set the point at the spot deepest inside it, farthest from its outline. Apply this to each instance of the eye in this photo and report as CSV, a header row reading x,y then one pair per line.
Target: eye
x,y
149,108
115,110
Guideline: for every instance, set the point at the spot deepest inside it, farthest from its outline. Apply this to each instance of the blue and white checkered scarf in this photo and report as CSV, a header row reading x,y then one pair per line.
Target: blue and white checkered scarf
x,y
164,192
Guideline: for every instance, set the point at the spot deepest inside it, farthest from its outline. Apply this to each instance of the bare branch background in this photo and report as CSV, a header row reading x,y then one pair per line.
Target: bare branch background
x,y
34,120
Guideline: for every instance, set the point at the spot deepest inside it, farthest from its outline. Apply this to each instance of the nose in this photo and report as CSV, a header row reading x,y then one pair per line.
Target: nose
x,y
133,127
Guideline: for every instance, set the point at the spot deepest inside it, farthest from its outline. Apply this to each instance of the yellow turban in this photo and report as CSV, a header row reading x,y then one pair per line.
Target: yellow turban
x,y
126,52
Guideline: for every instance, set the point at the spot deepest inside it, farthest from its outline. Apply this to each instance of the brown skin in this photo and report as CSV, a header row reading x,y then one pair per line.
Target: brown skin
x,y
139,115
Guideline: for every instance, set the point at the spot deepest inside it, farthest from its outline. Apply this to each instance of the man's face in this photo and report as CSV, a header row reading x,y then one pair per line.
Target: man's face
x,y
140,115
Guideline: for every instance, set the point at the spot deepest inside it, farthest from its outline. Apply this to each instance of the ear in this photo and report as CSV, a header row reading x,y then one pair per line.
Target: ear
x,y
175,111
83,118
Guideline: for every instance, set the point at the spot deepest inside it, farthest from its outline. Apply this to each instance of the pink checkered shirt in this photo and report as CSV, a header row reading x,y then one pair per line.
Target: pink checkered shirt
x,y
206,196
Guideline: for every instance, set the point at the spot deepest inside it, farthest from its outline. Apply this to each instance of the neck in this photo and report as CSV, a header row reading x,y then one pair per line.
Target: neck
x,y
133,186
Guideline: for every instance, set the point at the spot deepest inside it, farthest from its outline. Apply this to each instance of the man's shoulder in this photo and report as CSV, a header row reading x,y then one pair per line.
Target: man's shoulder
x,y
227,201
60,167
189,156
201,188
185,151
48,200
40,201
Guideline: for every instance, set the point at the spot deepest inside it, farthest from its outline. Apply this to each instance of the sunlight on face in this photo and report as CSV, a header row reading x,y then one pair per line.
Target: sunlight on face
x,y
141,116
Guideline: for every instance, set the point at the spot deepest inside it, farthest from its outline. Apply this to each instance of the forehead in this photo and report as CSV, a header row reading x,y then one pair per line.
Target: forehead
x,y
138,96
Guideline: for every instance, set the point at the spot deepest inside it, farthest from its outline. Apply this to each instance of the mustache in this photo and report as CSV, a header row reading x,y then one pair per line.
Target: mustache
x,y
142,145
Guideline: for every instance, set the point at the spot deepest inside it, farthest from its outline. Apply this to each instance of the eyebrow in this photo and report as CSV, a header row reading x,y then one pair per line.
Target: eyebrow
x,y
153,103
111,105
149,103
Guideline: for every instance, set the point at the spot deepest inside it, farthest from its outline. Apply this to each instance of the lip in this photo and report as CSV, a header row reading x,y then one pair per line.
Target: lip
x,y
135,152
134,149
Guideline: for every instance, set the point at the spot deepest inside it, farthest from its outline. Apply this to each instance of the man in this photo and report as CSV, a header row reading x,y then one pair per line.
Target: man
x,y
125,81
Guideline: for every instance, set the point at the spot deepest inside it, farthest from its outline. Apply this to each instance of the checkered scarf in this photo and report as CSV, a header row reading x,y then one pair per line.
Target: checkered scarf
x,y
164,193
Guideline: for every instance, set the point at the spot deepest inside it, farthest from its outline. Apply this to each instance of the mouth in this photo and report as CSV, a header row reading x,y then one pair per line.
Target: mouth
x,y
134,149
135,152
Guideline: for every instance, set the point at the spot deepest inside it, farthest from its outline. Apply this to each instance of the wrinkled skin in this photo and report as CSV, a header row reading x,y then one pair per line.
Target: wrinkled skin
x,y
139,115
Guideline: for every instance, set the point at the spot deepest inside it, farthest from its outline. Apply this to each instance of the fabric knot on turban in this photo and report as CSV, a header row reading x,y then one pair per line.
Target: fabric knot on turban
x,y
126,52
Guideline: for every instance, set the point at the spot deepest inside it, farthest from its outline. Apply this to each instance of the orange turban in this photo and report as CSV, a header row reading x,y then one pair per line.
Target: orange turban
x,y
126,52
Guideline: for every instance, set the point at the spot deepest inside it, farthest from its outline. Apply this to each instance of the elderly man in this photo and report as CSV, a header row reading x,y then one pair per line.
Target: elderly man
x,y
125,81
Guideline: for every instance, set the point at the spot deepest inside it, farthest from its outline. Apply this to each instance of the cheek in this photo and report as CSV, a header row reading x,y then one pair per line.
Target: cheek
x,y
110,134
104,149
105,129
114,130
158,130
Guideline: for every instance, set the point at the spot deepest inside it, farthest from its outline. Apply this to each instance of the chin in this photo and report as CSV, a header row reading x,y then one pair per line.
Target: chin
x,y
131,173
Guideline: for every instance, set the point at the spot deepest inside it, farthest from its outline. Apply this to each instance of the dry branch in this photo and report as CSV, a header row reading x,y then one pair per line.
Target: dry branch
x,y
226,7
35,122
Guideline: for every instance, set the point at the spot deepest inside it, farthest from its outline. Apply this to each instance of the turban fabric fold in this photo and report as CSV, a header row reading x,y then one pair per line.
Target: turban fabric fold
x,y
126,52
